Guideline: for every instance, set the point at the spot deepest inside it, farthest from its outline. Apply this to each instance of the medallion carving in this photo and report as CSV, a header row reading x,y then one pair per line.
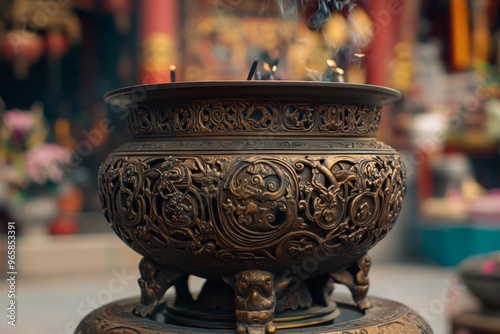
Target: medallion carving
x,y
260,208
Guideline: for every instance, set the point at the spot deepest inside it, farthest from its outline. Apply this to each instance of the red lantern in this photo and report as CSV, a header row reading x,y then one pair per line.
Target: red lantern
x,y
57,43
22,44
21,48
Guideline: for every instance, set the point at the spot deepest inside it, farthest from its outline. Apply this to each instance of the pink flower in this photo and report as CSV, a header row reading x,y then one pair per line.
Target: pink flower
x,y
19,123
47,163
490,267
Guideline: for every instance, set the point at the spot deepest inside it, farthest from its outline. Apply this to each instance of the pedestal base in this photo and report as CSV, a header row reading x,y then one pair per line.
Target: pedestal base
x,y
384,316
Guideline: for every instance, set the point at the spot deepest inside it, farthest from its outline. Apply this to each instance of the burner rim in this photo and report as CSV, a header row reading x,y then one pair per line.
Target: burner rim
x,y
297,91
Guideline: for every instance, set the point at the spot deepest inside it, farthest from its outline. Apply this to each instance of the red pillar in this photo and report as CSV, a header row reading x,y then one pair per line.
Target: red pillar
x,y
386,15
159,39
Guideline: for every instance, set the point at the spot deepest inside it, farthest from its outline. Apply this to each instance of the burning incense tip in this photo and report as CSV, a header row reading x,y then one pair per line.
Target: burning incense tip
x,y
359,55
331,63
252,69
172,73
270,69
333,73
340,75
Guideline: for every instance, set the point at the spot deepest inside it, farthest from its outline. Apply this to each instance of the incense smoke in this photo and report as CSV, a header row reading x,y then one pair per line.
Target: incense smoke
x,y
324,8
287,8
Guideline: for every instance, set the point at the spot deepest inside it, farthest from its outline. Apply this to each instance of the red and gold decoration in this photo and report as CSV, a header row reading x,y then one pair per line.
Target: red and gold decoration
x,y
159,32
21,48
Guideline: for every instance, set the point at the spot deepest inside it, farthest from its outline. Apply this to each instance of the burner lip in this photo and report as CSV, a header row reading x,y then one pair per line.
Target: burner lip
x,y
298,91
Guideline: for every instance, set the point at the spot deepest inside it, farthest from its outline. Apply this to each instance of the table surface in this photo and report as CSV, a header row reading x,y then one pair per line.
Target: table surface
x,y
477,322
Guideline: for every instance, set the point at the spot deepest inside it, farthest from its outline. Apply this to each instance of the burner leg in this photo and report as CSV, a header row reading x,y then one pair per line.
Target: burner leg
x,y
255,292
355,277
154,282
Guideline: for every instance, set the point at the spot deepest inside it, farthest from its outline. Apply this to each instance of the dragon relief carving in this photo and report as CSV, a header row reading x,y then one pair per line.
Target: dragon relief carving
x,y
237,208
258,200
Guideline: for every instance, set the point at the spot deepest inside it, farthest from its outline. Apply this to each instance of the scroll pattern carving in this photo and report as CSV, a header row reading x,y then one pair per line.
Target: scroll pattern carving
x,y
240,209
349,119
239,117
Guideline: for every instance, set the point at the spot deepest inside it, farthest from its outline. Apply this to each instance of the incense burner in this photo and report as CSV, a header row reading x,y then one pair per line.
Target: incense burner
x,y
271,190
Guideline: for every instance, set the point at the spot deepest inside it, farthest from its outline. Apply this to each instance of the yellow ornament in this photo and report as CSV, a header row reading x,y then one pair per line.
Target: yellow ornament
x,y
336,31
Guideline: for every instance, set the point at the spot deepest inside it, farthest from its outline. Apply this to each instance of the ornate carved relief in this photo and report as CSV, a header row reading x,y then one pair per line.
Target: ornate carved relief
x,y
239,117
239,209
243,187
255,301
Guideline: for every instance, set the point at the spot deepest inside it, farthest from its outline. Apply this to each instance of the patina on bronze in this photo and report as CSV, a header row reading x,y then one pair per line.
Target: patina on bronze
x,y
384,316
271,190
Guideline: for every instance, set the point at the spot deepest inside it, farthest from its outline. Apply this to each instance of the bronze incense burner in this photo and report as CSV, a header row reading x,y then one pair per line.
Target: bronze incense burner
x,y
270,190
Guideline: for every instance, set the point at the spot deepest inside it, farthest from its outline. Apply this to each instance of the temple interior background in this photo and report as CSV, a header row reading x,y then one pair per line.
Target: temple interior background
x,y
58,58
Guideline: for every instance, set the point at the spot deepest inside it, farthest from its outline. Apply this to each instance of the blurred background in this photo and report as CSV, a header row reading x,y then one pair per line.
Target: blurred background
x,y
58,58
